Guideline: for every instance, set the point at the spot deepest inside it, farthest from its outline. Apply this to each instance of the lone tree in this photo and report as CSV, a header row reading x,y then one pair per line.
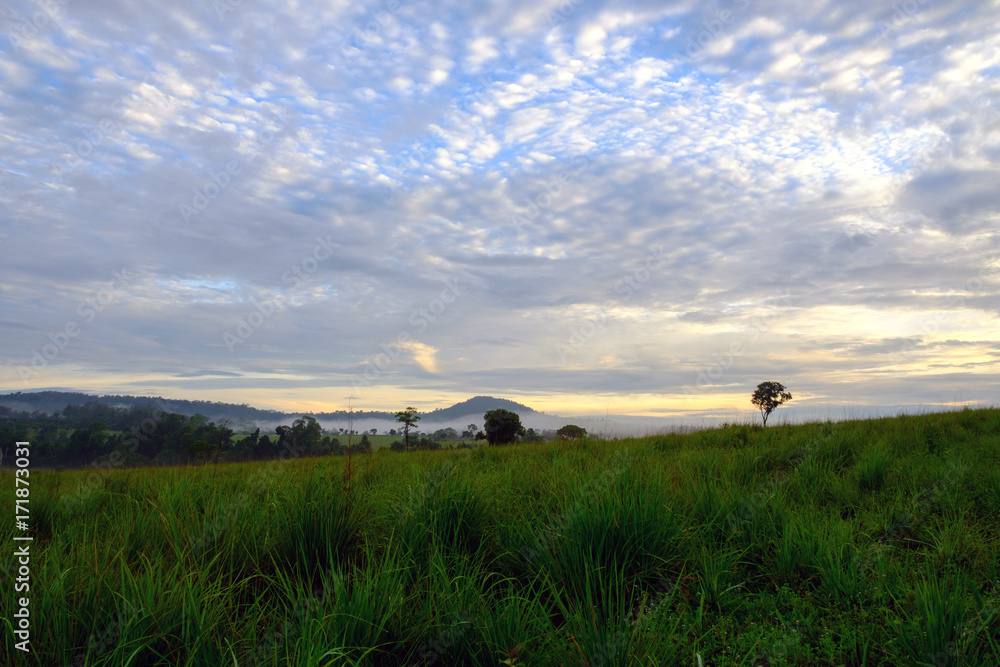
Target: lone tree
x,y
407,418
571,432
768,396
502,426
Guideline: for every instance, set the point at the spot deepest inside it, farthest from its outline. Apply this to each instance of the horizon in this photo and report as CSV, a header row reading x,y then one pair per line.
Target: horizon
x,y
588,208
626,425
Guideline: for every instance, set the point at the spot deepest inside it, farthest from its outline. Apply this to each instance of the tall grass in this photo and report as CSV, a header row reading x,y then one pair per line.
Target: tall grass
x,y
856,543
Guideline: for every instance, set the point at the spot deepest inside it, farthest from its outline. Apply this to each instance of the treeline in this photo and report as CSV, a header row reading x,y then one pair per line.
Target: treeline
x,y
81,435
53,402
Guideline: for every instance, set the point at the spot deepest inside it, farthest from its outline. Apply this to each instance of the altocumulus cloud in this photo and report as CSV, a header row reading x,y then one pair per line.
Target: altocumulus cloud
x,y
828,170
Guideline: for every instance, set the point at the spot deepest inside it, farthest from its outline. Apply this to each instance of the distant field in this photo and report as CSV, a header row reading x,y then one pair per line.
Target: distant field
x,y
853,543
377,441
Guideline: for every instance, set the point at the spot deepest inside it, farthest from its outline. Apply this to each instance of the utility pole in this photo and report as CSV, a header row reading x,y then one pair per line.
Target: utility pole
x,y
350,431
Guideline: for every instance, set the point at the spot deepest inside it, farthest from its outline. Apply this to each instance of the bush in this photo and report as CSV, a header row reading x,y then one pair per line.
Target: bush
x,y
571,432
533,437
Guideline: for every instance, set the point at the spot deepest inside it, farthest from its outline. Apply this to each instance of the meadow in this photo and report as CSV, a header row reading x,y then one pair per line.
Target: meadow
x,y
868,542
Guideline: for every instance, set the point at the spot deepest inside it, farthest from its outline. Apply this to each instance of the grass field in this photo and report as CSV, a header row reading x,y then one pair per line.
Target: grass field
x,y
380,441
853,543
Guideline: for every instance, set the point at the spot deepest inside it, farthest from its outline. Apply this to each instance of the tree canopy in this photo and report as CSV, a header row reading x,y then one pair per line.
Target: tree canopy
x,y
502,426
571,432
768,396
307,434
407,418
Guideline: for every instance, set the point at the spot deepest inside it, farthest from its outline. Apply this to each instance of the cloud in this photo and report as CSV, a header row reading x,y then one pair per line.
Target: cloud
x,y
424,355
481,50
962,201
841,155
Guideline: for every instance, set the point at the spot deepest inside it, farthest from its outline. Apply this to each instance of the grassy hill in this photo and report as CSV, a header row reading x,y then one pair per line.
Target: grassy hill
x,y
854,543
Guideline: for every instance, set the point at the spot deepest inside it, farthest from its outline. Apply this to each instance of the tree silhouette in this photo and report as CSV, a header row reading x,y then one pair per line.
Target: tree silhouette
x,y
768,396
307,434
502,426
407,418
571,432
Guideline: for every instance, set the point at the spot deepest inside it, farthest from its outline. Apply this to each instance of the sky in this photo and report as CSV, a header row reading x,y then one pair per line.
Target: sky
x,y
628,208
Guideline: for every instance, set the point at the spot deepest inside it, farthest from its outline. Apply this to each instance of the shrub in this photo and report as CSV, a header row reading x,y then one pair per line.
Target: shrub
x,y
571,432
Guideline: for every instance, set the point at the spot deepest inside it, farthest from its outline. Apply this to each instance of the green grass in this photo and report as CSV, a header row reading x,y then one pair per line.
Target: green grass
x,y
856,543
377,441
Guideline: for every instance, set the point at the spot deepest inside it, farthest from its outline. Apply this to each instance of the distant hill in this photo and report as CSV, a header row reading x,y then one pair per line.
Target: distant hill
x,y
53,402
476,405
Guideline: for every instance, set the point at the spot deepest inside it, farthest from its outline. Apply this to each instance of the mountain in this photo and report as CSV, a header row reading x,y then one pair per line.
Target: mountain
x,y
477,405
53,402
245,418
